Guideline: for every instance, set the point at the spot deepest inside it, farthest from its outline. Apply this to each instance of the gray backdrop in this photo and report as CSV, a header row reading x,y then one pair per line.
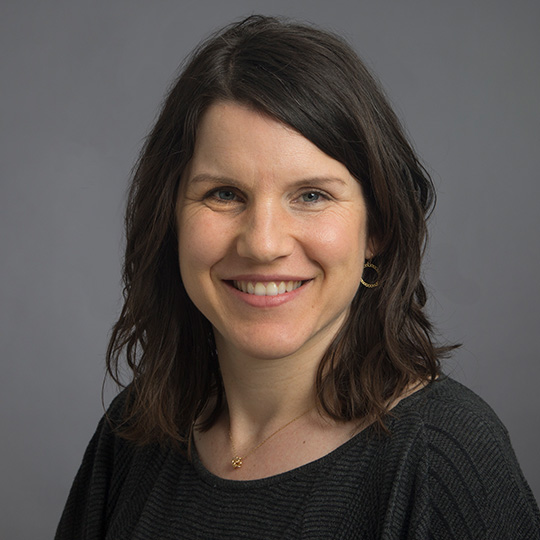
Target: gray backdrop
x,y
80,85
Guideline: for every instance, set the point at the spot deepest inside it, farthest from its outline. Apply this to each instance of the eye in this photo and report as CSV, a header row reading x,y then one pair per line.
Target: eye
x,y
224,194
313,196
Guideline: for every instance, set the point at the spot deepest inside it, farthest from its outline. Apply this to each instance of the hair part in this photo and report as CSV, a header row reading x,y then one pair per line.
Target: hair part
x,y
312,81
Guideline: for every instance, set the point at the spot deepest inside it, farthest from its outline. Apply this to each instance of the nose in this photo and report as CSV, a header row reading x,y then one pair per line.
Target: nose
x,y
266,232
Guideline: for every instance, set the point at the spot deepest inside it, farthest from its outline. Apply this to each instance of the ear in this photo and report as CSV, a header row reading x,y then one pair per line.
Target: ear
x,y
371,248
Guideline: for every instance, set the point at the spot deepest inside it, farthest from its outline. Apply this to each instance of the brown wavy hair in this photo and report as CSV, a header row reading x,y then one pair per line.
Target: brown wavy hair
x,y
314,82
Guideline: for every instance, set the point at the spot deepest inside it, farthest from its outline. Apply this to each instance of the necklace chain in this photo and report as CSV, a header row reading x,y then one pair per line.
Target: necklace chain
x,y
237,460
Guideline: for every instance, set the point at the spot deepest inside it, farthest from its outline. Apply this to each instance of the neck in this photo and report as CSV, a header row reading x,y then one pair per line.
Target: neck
x,y
263,394
271,423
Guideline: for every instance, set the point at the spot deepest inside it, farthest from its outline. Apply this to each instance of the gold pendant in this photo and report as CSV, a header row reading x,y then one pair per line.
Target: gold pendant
x,y
236,462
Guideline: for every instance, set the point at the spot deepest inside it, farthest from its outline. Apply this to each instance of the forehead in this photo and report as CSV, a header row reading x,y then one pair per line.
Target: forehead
x,y
233,136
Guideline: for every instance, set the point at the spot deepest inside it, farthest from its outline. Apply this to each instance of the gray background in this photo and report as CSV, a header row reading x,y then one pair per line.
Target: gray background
x,y
80,86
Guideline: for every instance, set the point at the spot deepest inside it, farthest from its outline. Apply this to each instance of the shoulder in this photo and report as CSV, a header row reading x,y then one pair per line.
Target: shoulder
x,y
115,411
459,435
106,442
448,419
107,448
112,470
450,458
448,411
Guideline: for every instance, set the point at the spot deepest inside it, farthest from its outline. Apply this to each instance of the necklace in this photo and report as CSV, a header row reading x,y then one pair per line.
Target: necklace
x,y
237,461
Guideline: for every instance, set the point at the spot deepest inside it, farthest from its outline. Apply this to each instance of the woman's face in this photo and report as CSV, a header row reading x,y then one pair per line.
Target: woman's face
x,y
272,235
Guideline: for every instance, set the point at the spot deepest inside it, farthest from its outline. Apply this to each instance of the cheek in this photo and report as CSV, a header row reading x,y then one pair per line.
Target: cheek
x,y
201,243
341,242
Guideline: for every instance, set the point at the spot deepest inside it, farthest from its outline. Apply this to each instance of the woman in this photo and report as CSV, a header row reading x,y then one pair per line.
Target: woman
x,y
285,379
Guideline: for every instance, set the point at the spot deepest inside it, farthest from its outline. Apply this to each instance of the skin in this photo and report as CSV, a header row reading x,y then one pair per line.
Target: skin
x,y
260,203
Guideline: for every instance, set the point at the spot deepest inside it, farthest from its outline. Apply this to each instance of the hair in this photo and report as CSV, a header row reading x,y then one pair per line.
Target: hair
x,y
312,81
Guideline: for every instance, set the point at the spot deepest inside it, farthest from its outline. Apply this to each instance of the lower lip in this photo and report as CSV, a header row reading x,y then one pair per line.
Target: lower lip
x,y
266,301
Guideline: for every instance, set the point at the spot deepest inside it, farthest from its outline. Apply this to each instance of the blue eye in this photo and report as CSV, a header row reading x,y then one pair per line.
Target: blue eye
x,y
311,196
225,194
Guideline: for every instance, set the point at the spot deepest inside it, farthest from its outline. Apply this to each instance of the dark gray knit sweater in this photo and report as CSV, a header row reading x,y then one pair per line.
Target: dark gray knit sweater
x,y
446,472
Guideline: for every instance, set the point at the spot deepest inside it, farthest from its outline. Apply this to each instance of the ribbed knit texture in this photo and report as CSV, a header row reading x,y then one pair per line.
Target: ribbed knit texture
x,y
447,471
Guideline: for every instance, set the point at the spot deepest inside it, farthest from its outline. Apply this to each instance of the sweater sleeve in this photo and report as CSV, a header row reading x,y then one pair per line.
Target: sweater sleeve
x,y
95,488
460,480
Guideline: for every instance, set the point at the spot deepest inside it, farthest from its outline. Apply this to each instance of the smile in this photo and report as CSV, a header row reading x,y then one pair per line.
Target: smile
x,y
271,288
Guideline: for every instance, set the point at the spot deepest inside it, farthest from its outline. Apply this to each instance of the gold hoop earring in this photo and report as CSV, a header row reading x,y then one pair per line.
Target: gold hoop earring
x,y
373,267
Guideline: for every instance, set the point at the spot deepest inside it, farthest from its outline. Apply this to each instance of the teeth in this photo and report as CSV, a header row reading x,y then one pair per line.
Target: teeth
x,y
260,289
270,289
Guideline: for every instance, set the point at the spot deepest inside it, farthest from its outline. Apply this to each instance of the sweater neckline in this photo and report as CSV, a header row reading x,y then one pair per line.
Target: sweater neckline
x,y
324,461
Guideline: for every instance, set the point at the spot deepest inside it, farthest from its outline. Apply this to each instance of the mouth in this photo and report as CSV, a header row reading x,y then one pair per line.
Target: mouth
x,y
267,288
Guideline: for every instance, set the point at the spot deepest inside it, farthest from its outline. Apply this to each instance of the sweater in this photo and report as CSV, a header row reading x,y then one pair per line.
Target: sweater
x,y
446,471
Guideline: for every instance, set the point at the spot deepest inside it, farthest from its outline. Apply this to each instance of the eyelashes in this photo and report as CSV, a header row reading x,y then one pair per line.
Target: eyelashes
x,y
223,194
228,195
313,196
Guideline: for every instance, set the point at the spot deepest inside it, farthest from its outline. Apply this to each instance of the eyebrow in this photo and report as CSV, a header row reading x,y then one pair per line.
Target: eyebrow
x,y
314,181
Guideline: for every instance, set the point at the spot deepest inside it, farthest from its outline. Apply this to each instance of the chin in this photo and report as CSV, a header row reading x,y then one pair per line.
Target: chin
x,y
276,344
268,350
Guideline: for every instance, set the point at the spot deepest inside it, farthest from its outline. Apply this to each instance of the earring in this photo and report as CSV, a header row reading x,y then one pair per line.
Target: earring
x,y
370,285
